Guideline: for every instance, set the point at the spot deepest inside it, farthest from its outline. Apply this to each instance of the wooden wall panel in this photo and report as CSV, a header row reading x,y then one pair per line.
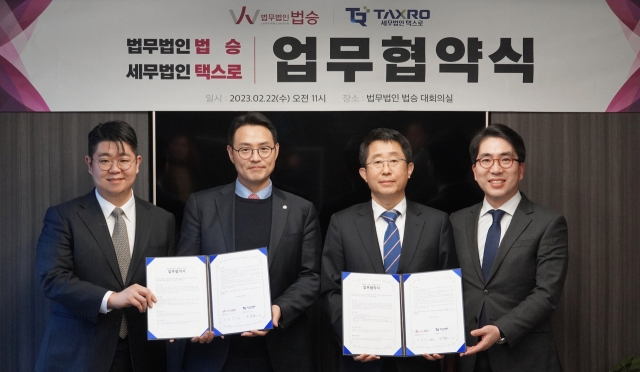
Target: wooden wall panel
x,y
42,161
586,166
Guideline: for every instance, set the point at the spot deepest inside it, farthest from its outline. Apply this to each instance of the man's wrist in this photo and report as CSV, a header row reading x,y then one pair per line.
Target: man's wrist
x,y
501,340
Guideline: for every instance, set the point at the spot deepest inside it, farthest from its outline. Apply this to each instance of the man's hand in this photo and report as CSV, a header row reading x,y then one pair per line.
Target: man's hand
x,y
433,357
206,337
489,333
365,358
135,295
275,316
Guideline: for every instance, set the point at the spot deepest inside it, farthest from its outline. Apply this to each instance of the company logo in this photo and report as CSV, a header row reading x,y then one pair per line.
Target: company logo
x,y
357,15
244,15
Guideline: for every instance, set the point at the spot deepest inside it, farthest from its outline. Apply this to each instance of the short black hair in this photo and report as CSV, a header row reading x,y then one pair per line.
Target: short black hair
x,y
499,131
251,118
384,135
114,131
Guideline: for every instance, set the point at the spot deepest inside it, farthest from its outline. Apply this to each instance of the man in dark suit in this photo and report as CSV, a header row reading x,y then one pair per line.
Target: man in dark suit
x,y
90,262
251,213
513,255
355,240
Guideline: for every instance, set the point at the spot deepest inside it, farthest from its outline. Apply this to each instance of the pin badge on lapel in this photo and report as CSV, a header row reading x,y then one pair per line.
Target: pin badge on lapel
x,y
284,207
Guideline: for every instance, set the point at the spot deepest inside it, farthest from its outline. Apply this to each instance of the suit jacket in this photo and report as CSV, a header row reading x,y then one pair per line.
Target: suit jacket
x,y
523,288
294,271
352,245
76,264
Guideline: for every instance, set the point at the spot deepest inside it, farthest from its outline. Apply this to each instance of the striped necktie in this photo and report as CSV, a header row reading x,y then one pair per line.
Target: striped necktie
x,y
391,246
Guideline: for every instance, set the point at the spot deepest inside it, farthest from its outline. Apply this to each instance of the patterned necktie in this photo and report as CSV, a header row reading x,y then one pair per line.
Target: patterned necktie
x,y
121,244
391,246
254,196
492,243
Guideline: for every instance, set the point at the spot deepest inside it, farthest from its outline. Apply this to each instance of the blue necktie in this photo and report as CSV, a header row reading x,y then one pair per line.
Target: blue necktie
x,y
492,243
391,247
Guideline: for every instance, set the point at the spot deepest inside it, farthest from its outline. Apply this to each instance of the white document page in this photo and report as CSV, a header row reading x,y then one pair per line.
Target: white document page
x,y
241,300
434,318
180,285
371,314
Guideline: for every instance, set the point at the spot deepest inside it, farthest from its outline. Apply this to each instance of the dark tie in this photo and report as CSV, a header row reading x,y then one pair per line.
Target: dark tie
x,y
391,247
254,196
121,244
492,243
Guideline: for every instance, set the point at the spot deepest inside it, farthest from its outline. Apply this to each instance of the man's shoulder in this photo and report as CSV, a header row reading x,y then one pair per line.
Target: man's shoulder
x,y
158,211
75,203
214,191
539,210
460,216
291,198
428,212
354,210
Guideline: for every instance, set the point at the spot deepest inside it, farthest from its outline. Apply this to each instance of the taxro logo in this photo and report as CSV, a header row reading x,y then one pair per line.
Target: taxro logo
x,y
359,16
244,15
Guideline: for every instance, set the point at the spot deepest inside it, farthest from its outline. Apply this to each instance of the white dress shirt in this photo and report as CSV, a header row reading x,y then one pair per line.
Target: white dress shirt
x,y
382,224
129,209
486,219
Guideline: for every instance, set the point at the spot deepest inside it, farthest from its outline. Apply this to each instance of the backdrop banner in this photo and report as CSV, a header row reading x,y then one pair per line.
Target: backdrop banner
x,y
334,55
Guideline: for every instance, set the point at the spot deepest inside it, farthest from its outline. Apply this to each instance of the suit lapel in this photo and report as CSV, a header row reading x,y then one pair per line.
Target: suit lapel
x,y
91,214
412,229
471,224
279,214
519,223
367,231
225,206
143,232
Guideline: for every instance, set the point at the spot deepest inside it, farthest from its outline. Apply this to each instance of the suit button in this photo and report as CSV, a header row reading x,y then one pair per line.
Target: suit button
x,y
486,292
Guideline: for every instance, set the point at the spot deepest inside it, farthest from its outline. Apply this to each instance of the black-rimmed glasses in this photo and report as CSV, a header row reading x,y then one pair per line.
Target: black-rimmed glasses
x,y
247,152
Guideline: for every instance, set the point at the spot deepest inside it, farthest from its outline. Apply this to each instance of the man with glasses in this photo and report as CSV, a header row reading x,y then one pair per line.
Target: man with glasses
x,y
251,213
388,234
513,255
90,263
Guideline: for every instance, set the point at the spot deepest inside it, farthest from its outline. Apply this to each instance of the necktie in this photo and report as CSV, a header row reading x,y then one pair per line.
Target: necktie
x,y
391,247
121,244
492,243
254,196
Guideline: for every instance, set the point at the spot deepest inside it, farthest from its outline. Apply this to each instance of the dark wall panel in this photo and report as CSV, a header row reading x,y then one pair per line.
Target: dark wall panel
x,y
42,161
586,166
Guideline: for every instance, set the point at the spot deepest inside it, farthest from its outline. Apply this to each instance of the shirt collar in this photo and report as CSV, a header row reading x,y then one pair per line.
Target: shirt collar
x,y
244,192
107,207
510,206
400,208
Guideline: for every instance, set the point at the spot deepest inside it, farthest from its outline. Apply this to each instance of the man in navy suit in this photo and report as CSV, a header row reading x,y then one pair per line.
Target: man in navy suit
x,y
513,255
251,213
90,262
355,240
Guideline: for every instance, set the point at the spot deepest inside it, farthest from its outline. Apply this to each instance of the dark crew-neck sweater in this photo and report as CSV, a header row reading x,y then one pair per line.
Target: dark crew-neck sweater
x,y
252,223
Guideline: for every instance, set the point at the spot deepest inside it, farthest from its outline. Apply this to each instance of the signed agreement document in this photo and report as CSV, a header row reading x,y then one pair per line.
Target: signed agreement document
x,y
226,293
403,314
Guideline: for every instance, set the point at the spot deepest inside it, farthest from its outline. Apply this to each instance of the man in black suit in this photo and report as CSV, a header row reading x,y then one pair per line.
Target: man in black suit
x,y
251,213
90,262
355,240
513,255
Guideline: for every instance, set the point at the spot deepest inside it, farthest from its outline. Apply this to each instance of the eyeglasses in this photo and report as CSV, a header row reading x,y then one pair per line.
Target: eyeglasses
x,y
247,152
505,163
378,164
106,164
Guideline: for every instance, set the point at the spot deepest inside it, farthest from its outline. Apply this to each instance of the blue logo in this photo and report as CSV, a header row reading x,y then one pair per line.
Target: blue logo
x,y
357,15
